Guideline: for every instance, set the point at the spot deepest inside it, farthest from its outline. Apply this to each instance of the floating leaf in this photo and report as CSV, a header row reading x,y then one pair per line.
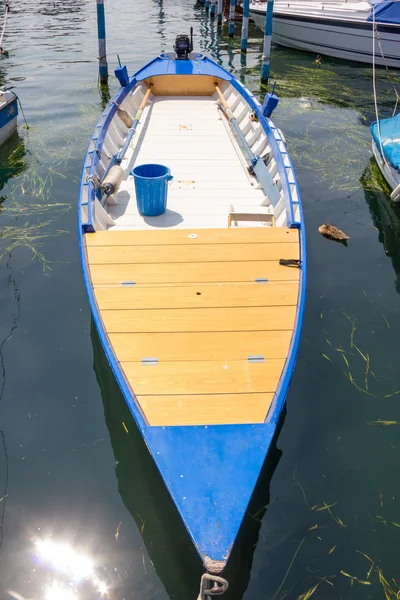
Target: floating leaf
x,y
125,427
332,549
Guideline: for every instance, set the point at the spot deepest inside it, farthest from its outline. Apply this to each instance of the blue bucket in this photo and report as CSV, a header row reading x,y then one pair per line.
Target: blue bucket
x,y
151,185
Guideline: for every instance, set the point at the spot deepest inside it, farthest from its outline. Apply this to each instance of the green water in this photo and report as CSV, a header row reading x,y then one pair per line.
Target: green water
x,y
69,471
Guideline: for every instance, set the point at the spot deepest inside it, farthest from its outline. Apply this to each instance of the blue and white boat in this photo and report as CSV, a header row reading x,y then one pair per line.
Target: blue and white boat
x,y
386,149
8,114
333,28
198,305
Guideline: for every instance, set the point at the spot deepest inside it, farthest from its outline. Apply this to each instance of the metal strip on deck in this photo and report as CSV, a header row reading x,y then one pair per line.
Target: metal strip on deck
x,y
184,332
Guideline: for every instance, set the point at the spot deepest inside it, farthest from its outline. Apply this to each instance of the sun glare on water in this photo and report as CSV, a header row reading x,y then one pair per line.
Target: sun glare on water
x,y
74,566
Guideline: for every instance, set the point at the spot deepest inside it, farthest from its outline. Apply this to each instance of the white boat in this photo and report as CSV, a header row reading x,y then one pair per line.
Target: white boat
x,y
339,29
386,149
8,114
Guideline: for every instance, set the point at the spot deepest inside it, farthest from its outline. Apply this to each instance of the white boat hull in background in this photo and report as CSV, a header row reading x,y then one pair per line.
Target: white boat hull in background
x,y
331,31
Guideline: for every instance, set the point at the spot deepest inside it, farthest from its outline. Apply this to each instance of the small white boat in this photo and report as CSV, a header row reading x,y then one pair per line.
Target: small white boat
x,y
8,114
386,149
199,302
339,29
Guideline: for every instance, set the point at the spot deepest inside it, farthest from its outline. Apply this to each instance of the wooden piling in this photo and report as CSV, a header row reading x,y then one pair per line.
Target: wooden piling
x,y
245,25
219,12
101,34
232,8
266,59
212,8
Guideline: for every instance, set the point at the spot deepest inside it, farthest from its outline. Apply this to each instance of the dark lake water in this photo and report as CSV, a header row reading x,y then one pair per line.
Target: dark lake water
x,y
69,470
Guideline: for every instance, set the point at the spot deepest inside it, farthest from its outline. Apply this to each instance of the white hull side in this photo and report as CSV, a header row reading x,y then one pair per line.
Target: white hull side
x,y
7,131
320,36
391,175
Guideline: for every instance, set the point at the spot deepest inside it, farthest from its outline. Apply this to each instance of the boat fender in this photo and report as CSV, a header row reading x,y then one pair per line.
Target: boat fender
x,y
112,181
121,73
395,195
125,117
269,104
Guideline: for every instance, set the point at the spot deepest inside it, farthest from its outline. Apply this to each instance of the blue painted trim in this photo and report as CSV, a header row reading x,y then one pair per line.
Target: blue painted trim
x,y
8,112
282,389
101,22
130,398
268,18
232,7
245,29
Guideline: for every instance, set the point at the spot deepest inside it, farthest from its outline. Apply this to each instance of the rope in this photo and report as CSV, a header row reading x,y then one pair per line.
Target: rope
x,y
7,10
374,31
220,586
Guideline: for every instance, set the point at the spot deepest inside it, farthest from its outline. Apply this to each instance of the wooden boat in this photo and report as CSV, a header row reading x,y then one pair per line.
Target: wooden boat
x,y
339,29
141,488
198,318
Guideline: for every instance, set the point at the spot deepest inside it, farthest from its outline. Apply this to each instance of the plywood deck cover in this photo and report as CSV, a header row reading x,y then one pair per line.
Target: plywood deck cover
x,y
184,312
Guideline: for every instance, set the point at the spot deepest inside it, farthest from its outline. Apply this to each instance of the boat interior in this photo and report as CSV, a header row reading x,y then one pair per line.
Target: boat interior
x,y
184,128
196,307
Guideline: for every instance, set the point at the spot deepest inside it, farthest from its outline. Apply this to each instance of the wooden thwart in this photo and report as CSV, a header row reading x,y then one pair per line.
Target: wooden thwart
x,y
204,377
176,273
244,235
186,253
274,318
211,409
197,296
210,345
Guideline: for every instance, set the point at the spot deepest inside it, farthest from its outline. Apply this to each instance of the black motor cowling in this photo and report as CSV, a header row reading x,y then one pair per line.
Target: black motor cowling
x,y
184,45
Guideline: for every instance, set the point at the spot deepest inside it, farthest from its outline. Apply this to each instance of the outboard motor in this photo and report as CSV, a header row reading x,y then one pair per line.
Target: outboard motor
x,y
184,45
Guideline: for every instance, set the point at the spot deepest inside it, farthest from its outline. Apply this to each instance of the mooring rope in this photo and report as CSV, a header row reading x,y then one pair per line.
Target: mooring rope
x,y
374,30
6,11
220,585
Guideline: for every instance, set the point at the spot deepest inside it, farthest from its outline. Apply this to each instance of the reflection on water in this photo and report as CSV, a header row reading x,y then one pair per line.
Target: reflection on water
x,y
385,215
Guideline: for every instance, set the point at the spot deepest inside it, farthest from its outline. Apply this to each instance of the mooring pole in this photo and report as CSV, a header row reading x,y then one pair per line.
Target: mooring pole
x,y
232,7
245,25
101,34
266,59
212,8
207,4
219,12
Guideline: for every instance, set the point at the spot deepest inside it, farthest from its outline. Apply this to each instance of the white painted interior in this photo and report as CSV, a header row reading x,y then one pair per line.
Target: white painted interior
x,y
191,136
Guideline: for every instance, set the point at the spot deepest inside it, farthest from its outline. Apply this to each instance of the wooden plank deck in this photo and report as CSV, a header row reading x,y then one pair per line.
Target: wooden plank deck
x,y
194,302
